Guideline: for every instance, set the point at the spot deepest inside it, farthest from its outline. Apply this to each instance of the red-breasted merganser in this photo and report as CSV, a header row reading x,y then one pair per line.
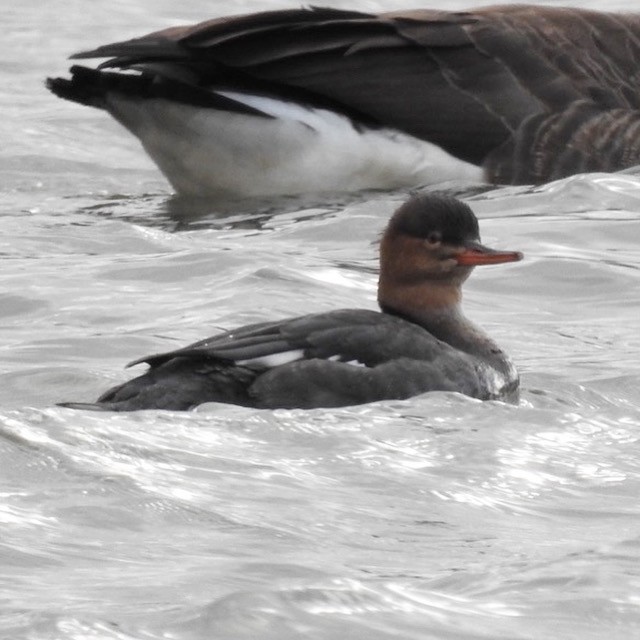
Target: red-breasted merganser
x,y
419,342
310,100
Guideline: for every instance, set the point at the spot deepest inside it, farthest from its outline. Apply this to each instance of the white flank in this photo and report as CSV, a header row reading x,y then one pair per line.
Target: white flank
x,y
205,152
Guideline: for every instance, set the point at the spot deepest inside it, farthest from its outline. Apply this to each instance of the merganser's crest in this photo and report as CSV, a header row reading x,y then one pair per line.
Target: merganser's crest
x,y
453,220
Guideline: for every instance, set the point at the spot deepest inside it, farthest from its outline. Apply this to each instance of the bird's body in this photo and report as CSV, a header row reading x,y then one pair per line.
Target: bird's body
x,y
322,99
419,342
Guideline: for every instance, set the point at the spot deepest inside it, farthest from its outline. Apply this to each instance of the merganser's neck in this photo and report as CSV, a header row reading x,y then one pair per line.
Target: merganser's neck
x,y
437,308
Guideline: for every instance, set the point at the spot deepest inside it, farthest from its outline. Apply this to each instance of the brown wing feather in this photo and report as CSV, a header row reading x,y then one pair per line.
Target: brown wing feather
x,y
532,92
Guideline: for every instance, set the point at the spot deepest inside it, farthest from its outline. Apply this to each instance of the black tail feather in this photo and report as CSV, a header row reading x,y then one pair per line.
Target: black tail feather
x,y
92,86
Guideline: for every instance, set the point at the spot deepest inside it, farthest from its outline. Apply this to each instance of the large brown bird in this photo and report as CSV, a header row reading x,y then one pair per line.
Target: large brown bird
x,y
321,99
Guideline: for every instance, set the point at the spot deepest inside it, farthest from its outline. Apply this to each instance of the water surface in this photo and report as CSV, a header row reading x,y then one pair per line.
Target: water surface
x,y
438,517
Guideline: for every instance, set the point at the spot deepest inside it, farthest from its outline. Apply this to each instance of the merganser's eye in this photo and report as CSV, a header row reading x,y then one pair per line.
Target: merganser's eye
x,y
434,238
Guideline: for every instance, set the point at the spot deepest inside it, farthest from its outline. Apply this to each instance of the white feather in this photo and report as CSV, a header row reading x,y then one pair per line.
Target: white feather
x,y
353,363
203,151
274,359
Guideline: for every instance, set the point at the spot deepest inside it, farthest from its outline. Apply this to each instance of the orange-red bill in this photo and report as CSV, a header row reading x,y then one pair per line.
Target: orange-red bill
x,y
478,254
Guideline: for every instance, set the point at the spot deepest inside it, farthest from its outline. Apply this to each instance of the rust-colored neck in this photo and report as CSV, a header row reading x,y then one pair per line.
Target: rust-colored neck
x,y
427,291
413,283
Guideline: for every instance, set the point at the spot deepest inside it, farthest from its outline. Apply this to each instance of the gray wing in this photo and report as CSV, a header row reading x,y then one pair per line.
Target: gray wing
x,y
367,337
331,359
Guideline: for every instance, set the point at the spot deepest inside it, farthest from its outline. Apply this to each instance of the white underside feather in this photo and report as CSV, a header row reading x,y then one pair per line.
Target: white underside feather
x,y
206,152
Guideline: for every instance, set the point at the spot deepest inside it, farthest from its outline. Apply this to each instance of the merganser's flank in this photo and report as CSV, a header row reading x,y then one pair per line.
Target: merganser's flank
x,y
419,342
310,100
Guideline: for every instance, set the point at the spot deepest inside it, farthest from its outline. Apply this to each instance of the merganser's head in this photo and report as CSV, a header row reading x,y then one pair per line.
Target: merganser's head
x,y
432,243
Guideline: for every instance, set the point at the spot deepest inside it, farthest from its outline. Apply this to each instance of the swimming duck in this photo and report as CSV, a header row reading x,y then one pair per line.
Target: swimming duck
x,y
419,341
310,100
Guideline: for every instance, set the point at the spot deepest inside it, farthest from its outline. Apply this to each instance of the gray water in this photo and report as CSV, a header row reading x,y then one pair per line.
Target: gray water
x,y
438,517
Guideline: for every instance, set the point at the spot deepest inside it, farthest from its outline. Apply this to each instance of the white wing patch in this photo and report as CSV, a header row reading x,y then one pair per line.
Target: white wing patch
x,y
353,363
285,357
274,359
